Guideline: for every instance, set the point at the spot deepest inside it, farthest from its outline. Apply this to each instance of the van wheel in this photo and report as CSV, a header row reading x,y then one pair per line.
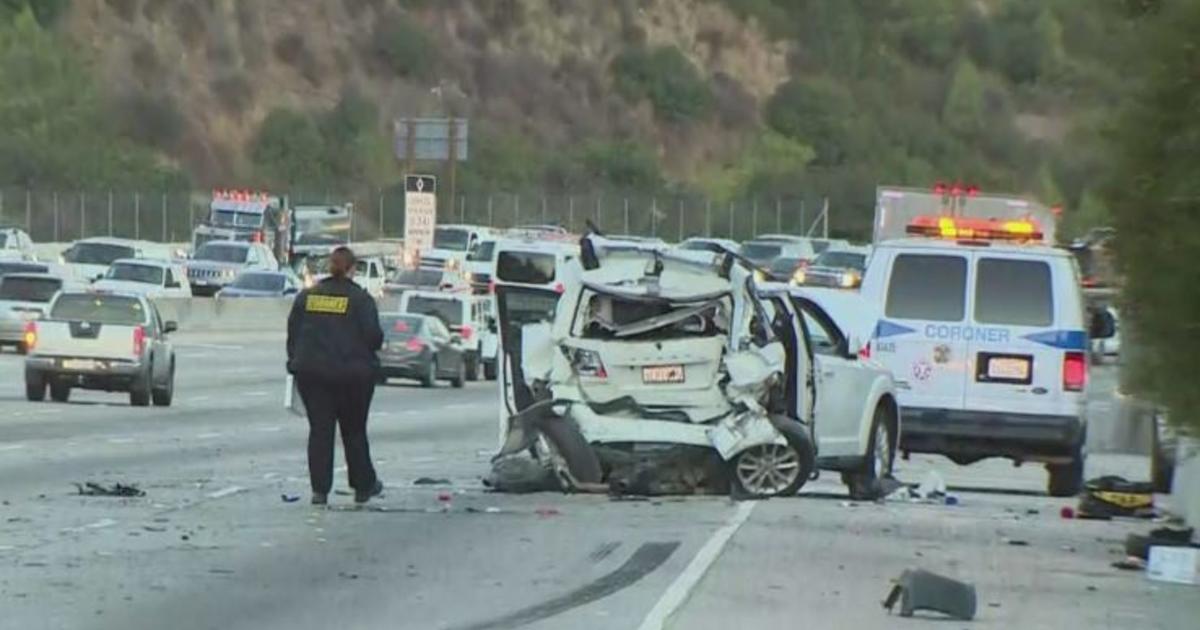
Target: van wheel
x,y
429,379
489,370
139,391
1066,480
460,377
877,461
35,388
60,392
574,461
162,397
472,363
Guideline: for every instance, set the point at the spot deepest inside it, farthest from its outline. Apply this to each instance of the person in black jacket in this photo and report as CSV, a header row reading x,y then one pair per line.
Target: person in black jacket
x,y
333,336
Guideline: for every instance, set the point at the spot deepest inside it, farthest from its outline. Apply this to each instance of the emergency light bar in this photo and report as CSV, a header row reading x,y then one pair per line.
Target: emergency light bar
x,y
241,195
976,229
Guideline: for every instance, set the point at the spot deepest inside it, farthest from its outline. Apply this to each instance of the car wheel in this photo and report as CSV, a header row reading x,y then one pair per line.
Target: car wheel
x,y
60,392
574,462
162,397
472,366
460,377
489,370
1066,480
35,389
877,461
139,391
771,470
430,377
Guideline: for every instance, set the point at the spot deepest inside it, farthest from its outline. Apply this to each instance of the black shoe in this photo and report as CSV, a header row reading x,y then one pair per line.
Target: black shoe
x,y
363,497
320,498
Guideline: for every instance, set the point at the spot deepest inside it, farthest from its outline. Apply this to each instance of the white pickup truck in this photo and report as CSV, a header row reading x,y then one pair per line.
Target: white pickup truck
x,y
108,342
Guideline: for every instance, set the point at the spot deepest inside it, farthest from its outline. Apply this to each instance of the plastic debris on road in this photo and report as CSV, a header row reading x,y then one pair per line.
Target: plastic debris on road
x,y
289,498
932,489
918,589
91,489
430,481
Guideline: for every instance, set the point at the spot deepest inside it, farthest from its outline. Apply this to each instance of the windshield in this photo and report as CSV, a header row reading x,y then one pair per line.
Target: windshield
x,y
28,289
785,265
455,239
103,309
525,267
222,252
418,277
761,251
97,253
19,267
260,281
819,246
401,326
3,239
450,311
482,252
133,272
231,218
842,260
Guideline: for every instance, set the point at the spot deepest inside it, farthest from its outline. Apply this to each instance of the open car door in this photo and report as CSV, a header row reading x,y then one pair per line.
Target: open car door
x,y
524,316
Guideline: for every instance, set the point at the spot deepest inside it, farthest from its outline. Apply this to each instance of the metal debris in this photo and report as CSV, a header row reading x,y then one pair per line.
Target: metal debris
x,y
918,589
91,489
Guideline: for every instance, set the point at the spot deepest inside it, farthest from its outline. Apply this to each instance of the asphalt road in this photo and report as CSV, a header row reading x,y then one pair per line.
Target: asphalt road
x,y
214,545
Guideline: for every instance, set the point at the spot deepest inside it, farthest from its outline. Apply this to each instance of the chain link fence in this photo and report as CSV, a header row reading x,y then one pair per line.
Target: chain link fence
x,y
50,216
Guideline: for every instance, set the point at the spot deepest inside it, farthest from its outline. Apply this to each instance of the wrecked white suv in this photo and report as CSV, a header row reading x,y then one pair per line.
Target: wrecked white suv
x,y
657,371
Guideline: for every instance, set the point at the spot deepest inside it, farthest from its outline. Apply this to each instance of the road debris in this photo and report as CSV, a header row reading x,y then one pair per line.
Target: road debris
x,y
1110,495
289,498
430,481
918,589
931,490
1178,565
1138,545
1130,563
91,489
1016,542
521,475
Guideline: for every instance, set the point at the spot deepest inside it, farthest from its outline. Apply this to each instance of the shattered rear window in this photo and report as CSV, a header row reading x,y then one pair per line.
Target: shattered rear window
x,y
612,317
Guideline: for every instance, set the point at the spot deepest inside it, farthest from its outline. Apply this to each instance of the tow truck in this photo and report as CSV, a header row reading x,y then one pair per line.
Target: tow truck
x,y
254,217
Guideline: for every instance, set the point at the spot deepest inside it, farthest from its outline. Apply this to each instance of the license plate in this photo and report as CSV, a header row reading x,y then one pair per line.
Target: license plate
x,y
662,374
79,364
1008,369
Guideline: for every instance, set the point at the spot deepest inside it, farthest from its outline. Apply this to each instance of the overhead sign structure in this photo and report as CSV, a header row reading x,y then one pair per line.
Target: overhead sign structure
x,y
432,139
420,212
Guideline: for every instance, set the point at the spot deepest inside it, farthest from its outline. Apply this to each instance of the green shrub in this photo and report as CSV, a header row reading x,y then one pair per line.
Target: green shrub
x,y
815,111
666,78
288,150
404,47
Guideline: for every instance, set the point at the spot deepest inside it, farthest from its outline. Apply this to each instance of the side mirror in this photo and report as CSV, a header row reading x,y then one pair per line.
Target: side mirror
x,y
170,327
853,346
1103,325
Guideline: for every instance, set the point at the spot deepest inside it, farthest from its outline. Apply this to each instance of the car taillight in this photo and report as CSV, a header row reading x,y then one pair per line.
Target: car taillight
x,y
29,336
466,331
415,345
865,351
1074,371
256,237
139,340
559,288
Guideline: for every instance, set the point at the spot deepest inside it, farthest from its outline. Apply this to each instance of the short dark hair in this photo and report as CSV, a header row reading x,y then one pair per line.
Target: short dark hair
x,y
341,261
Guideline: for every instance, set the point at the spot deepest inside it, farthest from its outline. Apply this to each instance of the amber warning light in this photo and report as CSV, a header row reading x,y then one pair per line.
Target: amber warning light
x,y
976,229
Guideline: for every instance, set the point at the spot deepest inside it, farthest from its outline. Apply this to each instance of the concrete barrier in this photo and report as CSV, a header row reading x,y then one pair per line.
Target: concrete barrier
x,y
228,314
1185,487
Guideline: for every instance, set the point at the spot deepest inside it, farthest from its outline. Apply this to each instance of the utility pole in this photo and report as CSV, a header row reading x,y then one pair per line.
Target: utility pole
x,y
453,159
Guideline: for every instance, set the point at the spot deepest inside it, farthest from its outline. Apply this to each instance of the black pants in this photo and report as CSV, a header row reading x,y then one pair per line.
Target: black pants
x,y
344,404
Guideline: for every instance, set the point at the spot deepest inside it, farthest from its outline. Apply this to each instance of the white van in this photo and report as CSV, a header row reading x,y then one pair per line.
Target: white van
x,y
983,327
88,258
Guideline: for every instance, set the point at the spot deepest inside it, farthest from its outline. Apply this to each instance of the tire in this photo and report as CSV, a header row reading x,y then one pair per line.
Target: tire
x,y
461,377
472,366
878,461
1066,480
60,392
798,452
139,391
163,397
577,461
489,370
430,377
35,388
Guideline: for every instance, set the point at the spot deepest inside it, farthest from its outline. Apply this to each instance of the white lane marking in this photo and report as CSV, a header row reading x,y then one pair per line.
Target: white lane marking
x,y
100,524
269,429
208,436
224,492
209,346
121,440
677,593
257,393
198,398
11,447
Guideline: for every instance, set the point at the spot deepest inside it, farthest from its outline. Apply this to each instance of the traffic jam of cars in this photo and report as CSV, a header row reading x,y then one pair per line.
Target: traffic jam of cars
x,y
631,364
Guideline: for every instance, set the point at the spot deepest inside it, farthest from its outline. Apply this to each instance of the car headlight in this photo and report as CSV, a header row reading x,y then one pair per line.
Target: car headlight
x,y
760,275
799,276
850,279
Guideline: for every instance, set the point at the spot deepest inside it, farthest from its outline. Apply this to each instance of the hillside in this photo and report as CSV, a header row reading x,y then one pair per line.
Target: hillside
x,y
725,98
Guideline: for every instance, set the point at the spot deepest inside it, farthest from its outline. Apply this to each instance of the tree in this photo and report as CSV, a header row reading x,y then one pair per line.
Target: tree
x,y
963,110
666,78
288,151
1155,199
814,111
